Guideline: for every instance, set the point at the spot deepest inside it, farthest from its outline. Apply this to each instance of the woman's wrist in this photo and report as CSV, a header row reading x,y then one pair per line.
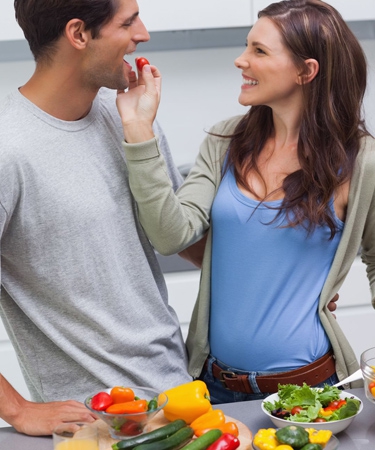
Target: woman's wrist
x,y
138,132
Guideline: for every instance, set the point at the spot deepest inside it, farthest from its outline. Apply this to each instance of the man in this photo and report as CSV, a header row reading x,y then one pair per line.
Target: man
x,y
83,298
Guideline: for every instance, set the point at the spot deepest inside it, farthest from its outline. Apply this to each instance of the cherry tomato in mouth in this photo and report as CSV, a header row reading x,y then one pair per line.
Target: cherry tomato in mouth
x,y
141,62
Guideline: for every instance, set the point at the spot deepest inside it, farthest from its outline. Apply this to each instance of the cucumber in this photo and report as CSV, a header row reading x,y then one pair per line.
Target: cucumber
x,y
204,441
155,435
175,441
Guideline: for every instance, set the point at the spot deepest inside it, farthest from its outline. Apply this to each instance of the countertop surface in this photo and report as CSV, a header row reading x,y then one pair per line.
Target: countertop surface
x,y
360,435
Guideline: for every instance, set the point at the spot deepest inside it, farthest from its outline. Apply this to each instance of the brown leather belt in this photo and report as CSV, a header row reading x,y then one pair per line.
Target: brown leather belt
x,y
312,374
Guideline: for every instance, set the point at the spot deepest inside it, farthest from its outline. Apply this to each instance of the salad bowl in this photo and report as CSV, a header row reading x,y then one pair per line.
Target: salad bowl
x,y
336,426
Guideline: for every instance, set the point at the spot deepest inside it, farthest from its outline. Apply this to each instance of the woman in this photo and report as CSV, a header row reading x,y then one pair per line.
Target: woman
x,y
287,194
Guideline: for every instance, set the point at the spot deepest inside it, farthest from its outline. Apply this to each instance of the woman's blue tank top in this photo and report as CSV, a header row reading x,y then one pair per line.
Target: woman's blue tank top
x,y
265,284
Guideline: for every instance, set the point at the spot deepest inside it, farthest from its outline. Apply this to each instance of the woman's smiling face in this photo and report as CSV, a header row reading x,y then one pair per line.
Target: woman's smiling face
x,y
270,76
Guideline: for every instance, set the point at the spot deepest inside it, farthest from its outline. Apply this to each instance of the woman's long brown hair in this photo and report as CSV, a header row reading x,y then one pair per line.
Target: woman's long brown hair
x,y
332,124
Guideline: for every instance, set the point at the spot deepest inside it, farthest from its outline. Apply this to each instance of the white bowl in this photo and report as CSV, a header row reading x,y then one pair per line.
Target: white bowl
x,y
332,444
335,425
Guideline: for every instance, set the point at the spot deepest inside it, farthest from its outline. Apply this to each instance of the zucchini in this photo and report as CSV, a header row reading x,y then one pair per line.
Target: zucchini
x,y
155,435
204,441
175,441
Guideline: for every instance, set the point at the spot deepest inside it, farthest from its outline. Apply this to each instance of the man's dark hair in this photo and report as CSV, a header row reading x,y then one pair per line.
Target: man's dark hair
x,y
43,21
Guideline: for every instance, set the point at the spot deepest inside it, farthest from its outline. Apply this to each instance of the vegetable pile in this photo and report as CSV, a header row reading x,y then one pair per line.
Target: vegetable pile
x,y
194,425
292,438
305,404
129,413
178,435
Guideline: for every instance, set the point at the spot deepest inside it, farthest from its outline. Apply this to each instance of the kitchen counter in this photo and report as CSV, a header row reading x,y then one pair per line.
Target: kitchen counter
x,y
360,435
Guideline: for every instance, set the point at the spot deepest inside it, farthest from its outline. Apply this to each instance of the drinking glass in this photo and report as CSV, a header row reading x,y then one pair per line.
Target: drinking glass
x,y
75,436
368,371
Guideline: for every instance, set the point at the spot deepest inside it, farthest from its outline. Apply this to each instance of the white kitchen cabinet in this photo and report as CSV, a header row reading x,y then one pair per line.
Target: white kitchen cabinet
x,y
168,15
182,290
359,10
351,11
354,313
163,15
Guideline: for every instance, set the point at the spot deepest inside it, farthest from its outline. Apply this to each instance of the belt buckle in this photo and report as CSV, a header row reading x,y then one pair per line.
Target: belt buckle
x,y
228,373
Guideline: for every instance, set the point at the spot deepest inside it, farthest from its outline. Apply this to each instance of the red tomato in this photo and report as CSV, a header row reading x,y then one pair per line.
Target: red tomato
x,y
141,62
101,401
296,410
320,419
371,385
131,428
335,404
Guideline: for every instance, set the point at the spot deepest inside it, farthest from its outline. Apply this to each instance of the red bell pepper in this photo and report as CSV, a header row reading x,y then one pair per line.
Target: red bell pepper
x,y
101,401
226,442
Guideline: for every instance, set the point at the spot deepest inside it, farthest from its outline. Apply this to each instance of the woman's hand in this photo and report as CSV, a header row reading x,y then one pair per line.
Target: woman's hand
x,y
138,106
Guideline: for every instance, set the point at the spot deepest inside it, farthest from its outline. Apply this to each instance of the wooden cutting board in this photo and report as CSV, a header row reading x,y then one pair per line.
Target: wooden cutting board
x,y
245,435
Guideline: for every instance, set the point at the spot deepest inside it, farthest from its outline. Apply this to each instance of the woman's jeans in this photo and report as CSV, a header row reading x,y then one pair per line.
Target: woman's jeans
x,y
219,394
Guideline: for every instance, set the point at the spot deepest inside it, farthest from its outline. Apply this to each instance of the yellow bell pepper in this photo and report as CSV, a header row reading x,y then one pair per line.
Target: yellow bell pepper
x,y
284,447
265,439
211,419
187,401
325,413
319,437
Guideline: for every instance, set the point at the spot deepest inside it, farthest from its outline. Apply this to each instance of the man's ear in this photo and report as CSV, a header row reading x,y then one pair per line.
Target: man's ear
x,y
76,34
310,71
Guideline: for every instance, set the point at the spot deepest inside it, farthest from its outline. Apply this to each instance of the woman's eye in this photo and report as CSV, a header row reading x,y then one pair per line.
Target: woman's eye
x,y
259,50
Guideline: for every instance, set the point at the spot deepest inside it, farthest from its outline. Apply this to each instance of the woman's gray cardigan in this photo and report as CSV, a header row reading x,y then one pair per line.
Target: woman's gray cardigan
x,y
172,223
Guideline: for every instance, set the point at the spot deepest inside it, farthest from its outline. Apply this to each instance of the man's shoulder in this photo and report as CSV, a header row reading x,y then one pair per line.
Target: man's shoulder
x,y
7,106
10,118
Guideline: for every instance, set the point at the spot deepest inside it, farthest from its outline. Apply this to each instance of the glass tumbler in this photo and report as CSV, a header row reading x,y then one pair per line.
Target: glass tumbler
x,y
368,371
75,436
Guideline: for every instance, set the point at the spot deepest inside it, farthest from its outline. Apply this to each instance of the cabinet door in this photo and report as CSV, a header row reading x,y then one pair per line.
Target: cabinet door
x,y
161,15
359,10
182,293
167,15
351,11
